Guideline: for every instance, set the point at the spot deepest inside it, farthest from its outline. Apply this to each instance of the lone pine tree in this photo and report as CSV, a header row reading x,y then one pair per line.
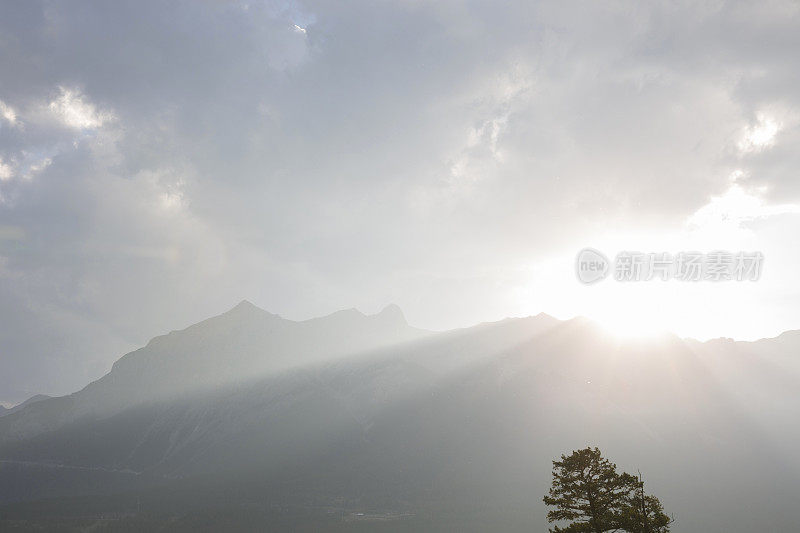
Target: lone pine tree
x,y
588,491
644,513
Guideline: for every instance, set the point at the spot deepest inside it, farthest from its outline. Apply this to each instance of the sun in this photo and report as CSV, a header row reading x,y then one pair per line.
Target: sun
x,y
630,326
652,309
638,310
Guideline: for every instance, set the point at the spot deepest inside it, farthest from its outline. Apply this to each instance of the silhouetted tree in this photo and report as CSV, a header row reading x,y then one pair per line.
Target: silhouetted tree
x,y
644,513
588,491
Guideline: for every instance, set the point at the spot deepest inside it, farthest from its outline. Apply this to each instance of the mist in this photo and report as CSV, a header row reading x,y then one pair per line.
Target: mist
x,y
280,265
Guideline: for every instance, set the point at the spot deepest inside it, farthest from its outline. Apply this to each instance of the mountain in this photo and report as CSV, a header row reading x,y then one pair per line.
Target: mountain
x,y
353,422
33,399
235,347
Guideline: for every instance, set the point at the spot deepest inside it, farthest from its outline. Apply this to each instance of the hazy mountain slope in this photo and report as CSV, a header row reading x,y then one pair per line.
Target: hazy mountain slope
x,y
240,345
30,401
459,424
359,385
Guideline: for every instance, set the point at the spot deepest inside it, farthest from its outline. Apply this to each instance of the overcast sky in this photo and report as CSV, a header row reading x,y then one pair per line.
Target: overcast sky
x,y
160,161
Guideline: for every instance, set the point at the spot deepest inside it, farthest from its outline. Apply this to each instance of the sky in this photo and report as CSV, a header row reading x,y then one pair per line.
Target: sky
x,y
161,161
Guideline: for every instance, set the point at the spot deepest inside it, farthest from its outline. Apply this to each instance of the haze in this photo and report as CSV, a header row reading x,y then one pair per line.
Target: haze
x,y
257,260
160,162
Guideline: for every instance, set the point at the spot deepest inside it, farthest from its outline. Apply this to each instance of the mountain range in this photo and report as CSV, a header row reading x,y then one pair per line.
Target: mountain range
x,y
33,399
349,422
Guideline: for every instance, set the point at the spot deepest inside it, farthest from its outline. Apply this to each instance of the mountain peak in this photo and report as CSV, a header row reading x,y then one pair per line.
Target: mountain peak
x,y
244,305
243,311
246,308
393,313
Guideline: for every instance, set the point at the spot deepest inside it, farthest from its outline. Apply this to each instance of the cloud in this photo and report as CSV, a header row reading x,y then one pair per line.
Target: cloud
x,y
179,157
735,208
38,166
75,111
759,136
8,114
6,172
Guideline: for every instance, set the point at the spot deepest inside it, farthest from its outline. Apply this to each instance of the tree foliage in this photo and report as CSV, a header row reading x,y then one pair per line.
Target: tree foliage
x,y
644,513
588,491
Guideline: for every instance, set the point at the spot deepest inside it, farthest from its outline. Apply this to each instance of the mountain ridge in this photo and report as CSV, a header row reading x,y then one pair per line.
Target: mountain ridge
x,y
465,419
460,419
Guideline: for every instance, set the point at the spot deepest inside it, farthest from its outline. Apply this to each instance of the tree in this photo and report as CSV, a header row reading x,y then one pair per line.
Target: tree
x,y
588,490
644,513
